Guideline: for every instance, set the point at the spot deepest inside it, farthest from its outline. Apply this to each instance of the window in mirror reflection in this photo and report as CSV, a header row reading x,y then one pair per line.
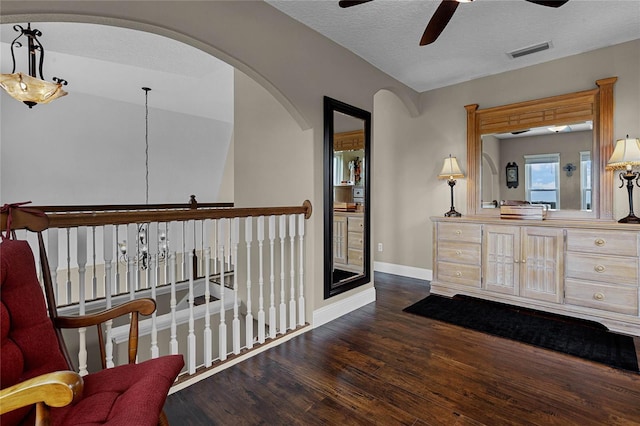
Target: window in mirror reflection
x,y
585,180
542,181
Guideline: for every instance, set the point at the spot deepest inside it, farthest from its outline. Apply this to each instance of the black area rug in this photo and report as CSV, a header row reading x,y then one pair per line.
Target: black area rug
x,y
585,339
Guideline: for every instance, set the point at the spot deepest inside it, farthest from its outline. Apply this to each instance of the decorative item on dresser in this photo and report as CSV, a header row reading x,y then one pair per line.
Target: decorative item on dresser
x,y
451,171
626,155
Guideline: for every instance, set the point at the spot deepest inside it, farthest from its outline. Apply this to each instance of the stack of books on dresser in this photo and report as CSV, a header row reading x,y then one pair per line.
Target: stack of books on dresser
x,y
524,211
344,207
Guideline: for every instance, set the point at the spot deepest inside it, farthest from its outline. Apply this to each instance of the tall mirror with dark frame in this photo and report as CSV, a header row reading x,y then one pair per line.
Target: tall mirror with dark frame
x,y
549,151
347,136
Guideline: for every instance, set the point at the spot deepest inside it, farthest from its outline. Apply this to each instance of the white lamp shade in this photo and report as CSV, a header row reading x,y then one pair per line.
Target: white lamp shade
x,y
23,87
626,153
450,169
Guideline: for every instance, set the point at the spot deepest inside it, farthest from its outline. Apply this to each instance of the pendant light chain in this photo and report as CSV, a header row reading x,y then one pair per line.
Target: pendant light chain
x,y
146,142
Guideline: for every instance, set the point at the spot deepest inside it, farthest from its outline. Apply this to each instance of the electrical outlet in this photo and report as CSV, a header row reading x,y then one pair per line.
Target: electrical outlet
x,y
380,247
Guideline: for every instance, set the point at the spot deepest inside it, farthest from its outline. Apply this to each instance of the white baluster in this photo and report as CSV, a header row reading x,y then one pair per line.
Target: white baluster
x,y
203,231
53,254
191,337
152,274
138,259
94,277
222,330
107,250
173,341
133,250
292,300
184,250
235,239
301,308
165,247
248,235
272,278
69,293
81,254
208,356
261,319
283,306
118,288
214,253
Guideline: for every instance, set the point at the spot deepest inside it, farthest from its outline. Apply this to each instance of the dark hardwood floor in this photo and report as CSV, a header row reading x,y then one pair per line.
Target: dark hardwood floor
x,y
379,365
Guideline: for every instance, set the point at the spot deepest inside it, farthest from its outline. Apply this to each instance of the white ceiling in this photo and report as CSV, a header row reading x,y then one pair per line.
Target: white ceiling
x,y
115,63
386,33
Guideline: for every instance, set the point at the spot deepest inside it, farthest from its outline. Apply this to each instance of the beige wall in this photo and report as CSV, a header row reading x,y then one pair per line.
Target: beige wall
x,y
295,64
408,152
272,157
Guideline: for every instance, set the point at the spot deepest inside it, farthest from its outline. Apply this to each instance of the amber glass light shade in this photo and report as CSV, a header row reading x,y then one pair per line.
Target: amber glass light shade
x,y
29,89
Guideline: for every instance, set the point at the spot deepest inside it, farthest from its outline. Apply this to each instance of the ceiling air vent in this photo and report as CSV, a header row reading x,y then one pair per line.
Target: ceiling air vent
x,y
529,50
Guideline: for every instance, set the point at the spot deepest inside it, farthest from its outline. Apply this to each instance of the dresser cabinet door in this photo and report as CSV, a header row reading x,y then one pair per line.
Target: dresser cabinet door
x,y
541,264
501,254
340,239
523,261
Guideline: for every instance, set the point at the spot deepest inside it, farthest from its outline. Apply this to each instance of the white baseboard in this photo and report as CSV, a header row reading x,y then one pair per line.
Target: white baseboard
x,y
402,270
342,307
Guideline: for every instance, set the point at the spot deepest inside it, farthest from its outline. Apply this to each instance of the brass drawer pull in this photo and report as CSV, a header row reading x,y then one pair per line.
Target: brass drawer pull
x,y
516,261
599,268
598,296
458,232
599,242
458,274
458,252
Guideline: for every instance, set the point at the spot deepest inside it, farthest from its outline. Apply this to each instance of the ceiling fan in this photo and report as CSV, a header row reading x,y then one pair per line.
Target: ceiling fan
x,y
443,14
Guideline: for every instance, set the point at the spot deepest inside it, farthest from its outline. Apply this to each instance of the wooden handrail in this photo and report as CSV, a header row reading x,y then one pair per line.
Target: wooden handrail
x,y
71,220
192,204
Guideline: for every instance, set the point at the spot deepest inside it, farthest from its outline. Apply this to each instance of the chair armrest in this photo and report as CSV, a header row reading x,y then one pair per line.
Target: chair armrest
x,y
55,389
144,306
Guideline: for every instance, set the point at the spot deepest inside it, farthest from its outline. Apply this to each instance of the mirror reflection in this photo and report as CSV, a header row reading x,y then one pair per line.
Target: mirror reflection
x,y
347,135
546,165
349,198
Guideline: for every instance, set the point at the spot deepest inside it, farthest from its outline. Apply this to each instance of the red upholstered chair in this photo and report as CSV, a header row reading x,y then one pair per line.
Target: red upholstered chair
x,y
37,386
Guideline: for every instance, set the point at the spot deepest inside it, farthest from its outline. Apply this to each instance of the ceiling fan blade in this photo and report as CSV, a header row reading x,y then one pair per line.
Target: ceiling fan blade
x,y
549,3
349,3
438,21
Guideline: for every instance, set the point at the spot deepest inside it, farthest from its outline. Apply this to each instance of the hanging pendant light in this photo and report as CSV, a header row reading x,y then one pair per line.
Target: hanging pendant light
x,y
28,88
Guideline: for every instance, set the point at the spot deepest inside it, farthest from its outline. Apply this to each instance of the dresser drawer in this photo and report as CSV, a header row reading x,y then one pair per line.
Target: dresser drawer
x,y
611,269
459,252
457,273
355,240
468,232
612,298
603,242
355,224
355,257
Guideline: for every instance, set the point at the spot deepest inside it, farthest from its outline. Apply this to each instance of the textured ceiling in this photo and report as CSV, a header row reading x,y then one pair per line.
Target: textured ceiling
x,y
475,43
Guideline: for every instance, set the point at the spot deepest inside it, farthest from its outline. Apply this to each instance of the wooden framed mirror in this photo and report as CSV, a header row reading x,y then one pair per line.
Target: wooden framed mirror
x,y
347,197
583,171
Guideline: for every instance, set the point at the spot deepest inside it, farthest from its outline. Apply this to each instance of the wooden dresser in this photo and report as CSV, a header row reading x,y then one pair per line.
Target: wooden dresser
x,y
348,240
585,269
